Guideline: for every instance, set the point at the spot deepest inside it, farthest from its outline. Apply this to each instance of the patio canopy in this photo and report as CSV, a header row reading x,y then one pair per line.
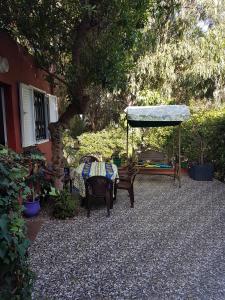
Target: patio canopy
x,y
157,116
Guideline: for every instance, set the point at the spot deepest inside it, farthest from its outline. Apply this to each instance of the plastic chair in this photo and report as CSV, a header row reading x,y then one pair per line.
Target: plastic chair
x,y
99,187
126,182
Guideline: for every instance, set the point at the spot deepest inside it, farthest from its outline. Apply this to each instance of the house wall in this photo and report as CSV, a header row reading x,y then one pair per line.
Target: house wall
x,y
22,69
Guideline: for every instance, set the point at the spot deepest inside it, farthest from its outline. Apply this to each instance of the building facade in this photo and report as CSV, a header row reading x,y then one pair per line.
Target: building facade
x,y
27,100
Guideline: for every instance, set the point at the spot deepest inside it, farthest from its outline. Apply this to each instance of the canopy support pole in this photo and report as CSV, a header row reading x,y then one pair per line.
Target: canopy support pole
x,y
179,150
132,144
127,140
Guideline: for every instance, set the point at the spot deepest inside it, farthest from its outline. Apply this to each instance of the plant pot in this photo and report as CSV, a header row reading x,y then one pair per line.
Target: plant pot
x,y
32,208
184,164
201,172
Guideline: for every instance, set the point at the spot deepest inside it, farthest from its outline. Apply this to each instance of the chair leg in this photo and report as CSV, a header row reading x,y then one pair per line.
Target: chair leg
x,y
111,204
83,202
111,200
115,191
108,204
88,206
131,194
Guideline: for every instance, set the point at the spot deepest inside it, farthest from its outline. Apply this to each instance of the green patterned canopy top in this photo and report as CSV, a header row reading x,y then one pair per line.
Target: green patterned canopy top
x,y
158,114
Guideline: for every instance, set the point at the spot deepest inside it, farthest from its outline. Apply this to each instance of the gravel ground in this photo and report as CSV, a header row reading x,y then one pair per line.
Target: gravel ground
x,y
170,246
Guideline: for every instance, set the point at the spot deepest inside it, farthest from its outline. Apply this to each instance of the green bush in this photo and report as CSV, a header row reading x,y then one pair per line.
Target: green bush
x,y
65,205
203,139
102,143
15,276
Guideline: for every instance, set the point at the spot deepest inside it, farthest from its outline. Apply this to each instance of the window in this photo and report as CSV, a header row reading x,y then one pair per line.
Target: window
x,y
40,116
38,109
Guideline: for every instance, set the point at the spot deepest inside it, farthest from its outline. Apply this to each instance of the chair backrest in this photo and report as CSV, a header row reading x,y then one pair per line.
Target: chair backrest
x,y
98,186
88,159
129,173
133,172
152,155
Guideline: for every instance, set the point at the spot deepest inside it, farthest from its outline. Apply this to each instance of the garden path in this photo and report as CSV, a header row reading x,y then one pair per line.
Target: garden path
x,y
170,246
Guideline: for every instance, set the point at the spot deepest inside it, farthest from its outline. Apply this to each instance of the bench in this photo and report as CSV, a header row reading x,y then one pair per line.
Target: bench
x,y
155,163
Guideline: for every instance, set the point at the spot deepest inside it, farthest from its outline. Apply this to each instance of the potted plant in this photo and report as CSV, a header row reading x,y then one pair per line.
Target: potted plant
x,y
65,204
32,206
116,157
32,203
201,170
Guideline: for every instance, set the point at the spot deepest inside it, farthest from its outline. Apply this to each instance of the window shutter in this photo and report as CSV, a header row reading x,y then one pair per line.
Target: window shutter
x,y
27,115
53,109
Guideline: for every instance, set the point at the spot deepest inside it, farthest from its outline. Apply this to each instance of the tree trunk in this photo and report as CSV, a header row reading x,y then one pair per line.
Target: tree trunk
x,y
56,130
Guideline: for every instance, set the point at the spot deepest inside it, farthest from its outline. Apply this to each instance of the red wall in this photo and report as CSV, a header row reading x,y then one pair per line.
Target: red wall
x,y
22,69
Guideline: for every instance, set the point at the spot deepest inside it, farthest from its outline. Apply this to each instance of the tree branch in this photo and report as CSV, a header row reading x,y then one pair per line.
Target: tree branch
x,y
55,76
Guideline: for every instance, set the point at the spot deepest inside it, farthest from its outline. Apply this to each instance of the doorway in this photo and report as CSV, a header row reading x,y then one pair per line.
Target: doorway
x,y
3,135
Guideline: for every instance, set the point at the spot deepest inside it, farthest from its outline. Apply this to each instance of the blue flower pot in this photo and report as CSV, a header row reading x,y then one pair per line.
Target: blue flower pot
x,y
201,172
32,208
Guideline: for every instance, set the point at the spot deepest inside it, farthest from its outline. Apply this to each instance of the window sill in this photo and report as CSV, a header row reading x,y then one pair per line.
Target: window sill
x,y
42,141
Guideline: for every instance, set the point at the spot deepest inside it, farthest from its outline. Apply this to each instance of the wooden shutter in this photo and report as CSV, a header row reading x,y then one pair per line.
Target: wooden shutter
x,y
27,115
53,109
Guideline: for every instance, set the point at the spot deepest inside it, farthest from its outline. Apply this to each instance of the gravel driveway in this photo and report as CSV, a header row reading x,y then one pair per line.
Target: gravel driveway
x,y
170,246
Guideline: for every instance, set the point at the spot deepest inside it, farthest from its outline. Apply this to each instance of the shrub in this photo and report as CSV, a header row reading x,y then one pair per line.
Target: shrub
x,y
203,139
65,205
102,143
15,276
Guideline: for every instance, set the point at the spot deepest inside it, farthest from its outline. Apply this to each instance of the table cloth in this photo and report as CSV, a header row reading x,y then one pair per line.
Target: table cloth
x,y
86,170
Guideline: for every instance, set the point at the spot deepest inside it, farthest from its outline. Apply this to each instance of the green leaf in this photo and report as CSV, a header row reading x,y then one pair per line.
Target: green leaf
x,y
3,151
53,192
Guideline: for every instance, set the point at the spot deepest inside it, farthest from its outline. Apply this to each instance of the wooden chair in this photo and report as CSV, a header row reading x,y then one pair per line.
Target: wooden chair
x,y
126,182
99,187
87,159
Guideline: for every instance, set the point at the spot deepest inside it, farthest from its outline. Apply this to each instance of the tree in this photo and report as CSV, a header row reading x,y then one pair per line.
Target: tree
x,y
185,56
80,43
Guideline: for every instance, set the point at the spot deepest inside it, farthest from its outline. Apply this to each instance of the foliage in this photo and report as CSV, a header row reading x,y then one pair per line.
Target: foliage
x,y
38,182
202,139
102,143
77,126
15,277
184,56
38,179
104,108
87,43
65,205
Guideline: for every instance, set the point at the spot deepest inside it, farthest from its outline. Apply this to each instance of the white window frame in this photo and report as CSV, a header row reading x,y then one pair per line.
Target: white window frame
x,y
46,95
4,114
